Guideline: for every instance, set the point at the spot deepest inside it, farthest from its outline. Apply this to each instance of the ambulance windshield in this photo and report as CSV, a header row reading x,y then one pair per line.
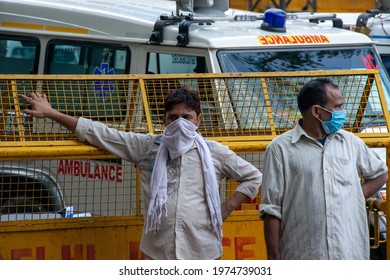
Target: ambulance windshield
x,y
298,60
310,60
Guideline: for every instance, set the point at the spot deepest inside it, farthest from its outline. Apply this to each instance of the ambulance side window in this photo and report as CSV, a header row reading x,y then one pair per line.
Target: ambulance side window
x,y
70,57
164,63
102,101
18,55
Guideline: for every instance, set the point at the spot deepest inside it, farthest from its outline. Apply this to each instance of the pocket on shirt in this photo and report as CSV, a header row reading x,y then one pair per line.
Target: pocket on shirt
x,y
343,171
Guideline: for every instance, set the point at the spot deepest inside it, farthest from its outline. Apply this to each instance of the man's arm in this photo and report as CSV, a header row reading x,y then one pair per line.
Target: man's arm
x,y
241,171
272,236
230,204
40,108
370,187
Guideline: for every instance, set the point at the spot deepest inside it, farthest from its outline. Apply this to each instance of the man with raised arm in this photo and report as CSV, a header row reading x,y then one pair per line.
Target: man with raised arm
x,y
180,175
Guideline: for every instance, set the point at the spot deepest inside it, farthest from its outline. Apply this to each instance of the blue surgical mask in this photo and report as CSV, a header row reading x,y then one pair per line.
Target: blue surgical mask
x,y
336,122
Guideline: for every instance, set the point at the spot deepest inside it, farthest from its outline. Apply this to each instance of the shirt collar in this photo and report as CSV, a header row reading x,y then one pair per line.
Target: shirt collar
x,y
298,132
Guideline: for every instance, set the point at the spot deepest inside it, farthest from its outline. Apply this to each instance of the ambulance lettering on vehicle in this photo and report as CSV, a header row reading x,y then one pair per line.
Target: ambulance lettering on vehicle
x,y
84,169
285,40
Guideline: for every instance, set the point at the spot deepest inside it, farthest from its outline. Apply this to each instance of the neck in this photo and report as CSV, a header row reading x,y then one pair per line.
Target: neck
x,y
313,129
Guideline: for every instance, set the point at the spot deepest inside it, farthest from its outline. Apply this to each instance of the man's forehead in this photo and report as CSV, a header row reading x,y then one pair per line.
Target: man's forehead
x,y
180,107
334,94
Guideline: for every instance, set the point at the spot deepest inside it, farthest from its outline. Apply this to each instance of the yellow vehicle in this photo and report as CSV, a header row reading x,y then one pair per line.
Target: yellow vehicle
x,y
334,6
88,194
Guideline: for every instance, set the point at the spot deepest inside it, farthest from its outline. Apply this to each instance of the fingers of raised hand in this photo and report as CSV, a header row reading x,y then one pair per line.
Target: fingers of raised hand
x,y
31,97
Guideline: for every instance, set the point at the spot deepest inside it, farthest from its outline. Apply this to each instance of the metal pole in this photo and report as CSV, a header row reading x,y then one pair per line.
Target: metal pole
x,y
252,6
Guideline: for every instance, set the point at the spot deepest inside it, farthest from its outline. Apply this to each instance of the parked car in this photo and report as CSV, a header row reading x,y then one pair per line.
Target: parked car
x,y
28,194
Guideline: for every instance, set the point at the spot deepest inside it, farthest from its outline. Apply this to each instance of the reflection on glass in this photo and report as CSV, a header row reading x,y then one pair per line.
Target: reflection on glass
x,y
283,104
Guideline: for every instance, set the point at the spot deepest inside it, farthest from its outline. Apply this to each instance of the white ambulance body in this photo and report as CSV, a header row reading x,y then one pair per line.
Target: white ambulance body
x,y
137,36
133,36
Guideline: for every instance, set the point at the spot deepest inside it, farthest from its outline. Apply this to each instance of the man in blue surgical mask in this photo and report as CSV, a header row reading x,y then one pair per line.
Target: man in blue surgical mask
x,y
316,180
180,176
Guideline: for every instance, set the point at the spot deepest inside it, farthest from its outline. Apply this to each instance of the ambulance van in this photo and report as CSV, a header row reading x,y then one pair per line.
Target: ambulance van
x,y
101,37
134,36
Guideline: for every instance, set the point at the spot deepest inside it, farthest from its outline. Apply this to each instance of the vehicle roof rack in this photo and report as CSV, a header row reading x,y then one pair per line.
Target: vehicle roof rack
x,y
185,21
158,30
317,18
337,22
183,37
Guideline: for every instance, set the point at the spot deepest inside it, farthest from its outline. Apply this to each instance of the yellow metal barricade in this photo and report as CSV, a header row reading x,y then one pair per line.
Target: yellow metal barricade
x,y
376,215
64,199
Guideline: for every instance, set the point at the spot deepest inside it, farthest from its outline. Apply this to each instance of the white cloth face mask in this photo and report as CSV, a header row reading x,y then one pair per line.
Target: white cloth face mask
x,y
179,137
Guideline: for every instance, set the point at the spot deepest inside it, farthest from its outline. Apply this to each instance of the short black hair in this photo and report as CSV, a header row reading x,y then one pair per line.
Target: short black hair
x,y
183,95
314,93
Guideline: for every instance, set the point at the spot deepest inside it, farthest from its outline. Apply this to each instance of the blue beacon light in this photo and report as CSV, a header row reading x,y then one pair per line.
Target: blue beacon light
x,y
274,20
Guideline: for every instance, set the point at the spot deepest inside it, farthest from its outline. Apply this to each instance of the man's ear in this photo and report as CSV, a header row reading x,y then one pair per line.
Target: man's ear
x,y
164,119
198,120
315,111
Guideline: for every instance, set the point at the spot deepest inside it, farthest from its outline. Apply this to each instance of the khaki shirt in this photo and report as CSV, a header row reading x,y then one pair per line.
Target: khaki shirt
x,y
186,231
316,191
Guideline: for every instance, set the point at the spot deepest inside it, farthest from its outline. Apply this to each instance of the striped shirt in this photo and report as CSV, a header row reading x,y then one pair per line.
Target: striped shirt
x,y
316,191
186,232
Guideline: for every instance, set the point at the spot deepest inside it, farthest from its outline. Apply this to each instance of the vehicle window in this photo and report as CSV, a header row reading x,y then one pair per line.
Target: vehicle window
x,y
19,55
302,60
86,58
163,63
386,62
69,57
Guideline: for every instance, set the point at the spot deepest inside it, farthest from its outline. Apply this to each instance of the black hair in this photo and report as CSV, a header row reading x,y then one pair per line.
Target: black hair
x,y
314,93
183,95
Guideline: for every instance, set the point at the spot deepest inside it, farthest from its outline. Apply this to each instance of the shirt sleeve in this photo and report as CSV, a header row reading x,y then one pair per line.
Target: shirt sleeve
x,y
129,146
273,184
369,163
236,168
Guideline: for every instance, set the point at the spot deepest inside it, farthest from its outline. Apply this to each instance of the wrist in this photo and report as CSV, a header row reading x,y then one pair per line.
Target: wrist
x,y
54,114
